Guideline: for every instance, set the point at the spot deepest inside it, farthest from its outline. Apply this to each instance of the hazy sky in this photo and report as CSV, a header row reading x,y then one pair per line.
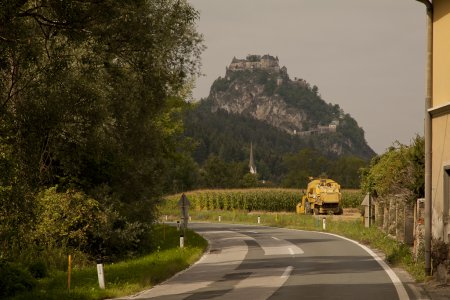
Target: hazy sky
x,y
368,56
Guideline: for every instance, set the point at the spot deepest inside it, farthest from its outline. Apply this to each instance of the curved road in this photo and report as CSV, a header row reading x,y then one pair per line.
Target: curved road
x,y
256,262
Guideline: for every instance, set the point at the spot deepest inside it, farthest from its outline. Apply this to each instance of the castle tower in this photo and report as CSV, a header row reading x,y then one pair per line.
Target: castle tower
x,y
251,163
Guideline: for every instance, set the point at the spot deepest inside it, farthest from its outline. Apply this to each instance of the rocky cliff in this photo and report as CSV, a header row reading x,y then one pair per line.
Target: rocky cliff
x,y
258,88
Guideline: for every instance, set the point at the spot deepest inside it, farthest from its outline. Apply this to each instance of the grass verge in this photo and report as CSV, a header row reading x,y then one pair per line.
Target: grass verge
x,y
127,277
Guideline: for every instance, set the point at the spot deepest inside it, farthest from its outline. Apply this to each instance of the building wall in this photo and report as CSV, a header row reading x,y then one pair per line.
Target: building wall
x,y
441,53
441,159
440,121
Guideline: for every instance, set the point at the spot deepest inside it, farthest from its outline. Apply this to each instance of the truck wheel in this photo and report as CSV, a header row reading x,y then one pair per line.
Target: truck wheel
x,y
307,208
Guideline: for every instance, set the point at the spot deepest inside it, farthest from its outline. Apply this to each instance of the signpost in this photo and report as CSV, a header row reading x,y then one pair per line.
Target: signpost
x,y
184,204
367,203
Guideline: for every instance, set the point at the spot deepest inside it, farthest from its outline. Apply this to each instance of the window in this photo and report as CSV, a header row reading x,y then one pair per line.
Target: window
x,y
446,193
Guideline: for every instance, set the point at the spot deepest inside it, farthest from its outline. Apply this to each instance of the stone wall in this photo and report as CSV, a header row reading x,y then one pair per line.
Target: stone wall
x,y
397,218
252,62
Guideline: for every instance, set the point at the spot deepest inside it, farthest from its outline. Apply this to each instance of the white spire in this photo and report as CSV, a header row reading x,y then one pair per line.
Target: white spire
x,y
251,163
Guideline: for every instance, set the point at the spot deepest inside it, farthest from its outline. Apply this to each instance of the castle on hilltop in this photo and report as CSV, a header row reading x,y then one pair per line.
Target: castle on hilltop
x,y
251,62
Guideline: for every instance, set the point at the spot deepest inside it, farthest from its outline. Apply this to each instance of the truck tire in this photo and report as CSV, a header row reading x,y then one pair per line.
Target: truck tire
x,y
307,208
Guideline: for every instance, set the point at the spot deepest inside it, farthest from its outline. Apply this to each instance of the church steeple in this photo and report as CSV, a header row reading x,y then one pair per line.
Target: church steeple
x,y
251,163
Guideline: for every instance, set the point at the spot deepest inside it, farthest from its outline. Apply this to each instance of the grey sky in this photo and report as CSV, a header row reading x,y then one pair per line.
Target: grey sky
x,y
368,56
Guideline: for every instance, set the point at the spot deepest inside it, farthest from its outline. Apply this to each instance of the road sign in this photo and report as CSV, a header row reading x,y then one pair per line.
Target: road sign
x,y
184,204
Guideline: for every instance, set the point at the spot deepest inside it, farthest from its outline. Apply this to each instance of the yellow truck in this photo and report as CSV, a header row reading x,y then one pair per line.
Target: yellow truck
x,y
322,196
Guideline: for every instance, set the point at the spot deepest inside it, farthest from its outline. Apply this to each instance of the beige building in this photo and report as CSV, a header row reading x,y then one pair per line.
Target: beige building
x,y
440,122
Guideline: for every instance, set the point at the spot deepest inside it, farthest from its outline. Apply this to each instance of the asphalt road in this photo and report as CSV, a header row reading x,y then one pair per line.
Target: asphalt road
x,y
257,262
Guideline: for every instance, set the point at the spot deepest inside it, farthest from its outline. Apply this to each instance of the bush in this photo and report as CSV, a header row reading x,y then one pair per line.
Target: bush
x,y
38,269
73,222
14,279
66,219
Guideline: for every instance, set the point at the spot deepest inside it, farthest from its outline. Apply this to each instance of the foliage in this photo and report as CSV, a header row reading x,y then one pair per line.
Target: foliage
x,y
398,172
339,154
91,99
127,277
184,173
306,99
250,180
307,163
278,155
220,84
439,252
38,269
310,163
14,279
66,219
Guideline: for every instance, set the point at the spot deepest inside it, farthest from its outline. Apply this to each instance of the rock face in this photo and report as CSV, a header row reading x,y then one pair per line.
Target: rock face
x,y
249,100
246,95
258,88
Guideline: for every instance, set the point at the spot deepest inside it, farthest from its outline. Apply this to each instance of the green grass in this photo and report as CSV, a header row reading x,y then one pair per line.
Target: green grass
x,y
127,277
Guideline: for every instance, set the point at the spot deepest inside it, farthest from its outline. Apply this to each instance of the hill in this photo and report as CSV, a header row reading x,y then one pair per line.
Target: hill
x,y
256,102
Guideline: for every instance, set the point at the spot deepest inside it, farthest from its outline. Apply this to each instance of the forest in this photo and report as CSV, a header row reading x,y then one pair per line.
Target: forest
x,y
281,159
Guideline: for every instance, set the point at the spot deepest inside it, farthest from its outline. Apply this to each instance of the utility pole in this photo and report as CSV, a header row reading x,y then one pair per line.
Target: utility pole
x,y
427,135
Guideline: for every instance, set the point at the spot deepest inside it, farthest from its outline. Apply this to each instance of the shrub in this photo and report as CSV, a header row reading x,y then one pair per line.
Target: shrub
x,y
76,223
66,219
38,269
14,279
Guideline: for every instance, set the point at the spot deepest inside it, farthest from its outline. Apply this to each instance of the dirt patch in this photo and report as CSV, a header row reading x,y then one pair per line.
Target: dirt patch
x,y
349,214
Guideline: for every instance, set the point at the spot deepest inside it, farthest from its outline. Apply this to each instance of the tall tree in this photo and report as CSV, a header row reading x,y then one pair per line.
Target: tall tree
x,y
90,93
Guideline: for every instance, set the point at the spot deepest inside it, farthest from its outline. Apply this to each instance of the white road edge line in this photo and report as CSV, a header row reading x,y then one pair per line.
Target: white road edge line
x,y
275,238
287,272
291,251
401,291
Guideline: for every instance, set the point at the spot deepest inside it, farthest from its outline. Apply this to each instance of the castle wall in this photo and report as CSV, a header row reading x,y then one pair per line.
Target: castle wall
x,y
267,62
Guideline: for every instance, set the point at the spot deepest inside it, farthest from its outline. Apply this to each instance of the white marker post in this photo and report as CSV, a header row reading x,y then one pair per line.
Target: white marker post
x,y
101,275
181,241
259,220
324,223
220,218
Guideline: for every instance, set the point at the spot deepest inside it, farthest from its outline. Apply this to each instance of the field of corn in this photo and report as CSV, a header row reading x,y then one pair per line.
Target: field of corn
x,y
272,200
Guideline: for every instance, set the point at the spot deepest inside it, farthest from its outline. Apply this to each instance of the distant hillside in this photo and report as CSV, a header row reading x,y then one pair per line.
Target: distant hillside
x,y
257,102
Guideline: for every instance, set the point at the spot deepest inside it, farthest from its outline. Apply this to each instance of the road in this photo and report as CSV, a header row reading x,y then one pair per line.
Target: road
x,y
257,262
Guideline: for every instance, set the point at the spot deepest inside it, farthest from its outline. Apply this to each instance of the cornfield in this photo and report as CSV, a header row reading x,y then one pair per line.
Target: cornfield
x,y
274,200
352,198
239,199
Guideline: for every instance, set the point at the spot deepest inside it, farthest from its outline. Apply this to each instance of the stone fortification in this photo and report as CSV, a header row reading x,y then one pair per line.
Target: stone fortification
x,y
252,62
